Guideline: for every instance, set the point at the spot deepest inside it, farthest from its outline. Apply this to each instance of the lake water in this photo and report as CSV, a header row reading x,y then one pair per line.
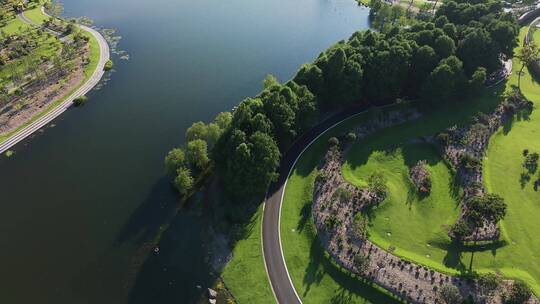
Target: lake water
x,y
80,200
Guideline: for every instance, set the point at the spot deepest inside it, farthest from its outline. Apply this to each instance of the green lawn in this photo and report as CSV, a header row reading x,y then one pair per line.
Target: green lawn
x,y
318,281
245,274
416,226
503,167
14,26
35,15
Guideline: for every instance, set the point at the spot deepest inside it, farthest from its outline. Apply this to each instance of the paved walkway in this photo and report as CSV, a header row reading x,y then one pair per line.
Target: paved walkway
x,y
104,56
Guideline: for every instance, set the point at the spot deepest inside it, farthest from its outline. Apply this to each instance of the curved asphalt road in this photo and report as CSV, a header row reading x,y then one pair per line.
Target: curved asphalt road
x,y
68,102
274,260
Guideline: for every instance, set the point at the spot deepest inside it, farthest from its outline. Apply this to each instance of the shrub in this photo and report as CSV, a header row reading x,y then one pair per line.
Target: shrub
x,y
377,184
360,225
361,262
80,100
519,293
333,142
108,65
331,222
449,294
461,229
489,282
350,137
531,162
469,161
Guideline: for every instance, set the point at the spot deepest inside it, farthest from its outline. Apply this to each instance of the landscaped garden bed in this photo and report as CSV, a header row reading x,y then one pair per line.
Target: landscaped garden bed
x,y
342,211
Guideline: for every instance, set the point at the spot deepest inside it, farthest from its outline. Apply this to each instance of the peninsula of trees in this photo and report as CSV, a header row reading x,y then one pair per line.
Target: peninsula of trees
x,y
450,55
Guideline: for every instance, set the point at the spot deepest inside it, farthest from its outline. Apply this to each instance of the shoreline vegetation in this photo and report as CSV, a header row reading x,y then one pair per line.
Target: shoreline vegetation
x,y
38,81
435,58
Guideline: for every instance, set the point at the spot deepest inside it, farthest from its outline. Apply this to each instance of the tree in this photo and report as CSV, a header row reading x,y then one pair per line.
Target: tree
x,y
528,55
505,34
223,120
174,160
197,153
183,182
198,130
450,294
270,81
444,46
478,79
247,164
489,207
478,49
445,80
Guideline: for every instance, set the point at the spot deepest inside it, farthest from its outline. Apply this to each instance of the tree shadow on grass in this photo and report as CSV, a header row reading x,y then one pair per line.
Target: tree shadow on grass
x,y
455,252
351,286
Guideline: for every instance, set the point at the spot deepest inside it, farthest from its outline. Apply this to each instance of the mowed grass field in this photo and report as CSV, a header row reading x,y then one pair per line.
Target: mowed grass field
x,y
503,168
245,274
317,280
415,225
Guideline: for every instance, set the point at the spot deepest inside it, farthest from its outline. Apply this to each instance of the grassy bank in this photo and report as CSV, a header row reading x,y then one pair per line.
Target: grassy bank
x,y
245,274
319,282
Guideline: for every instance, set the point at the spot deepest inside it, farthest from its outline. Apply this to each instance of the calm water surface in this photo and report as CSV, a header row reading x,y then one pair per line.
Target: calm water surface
x,y
79,200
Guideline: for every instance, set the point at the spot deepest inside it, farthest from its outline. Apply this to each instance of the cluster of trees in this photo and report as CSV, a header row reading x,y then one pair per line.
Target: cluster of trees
x,y
449,55
185,164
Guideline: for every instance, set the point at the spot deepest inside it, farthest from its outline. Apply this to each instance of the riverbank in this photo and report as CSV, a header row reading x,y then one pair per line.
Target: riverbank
x,y
92,72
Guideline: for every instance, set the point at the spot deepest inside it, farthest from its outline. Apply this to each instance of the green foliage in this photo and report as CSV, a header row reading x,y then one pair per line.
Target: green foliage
x,y
79,101
331,222
377,184
108,65
531,162
461,229
333,142
361,262
449,294
360,225
197,154
489,283
183,182
519,293
174,160
489,207
469,161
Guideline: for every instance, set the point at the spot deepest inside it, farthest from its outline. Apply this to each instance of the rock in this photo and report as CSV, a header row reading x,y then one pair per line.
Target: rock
x,y
212,294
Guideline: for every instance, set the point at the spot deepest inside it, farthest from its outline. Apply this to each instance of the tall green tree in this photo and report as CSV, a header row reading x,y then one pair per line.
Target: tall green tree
x,y
528,55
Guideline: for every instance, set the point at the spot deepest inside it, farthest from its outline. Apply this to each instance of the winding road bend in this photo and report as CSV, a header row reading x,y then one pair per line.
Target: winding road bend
x,y
274,259
68,102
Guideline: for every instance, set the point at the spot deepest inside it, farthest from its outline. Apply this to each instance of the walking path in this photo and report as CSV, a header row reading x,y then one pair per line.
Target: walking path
x,y
68,102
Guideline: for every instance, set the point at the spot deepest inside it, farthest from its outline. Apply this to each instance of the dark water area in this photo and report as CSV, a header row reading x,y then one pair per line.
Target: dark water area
x,y
81,200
